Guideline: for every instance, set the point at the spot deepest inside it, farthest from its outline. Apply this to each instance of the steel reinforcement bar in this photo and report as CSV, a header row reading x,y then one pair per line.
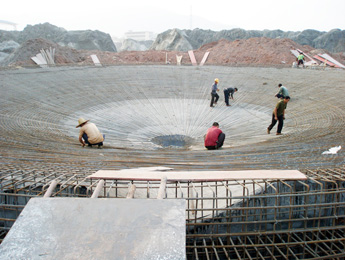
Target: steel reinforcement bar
x,y
252,219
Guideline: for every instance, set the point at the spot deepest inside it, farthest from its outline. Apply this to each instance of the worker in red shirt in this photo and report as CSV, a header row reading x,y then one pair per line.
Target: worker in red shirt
x,y
214,137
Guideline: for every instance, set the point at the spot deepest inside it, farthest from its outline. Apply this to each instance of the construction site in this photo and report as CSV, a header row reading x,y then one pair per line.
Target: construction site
x,y
153,191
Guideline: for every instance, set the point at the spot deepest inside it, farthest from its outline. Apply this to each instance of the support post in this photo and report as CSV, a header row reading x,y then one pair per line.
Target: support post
x,y
162,188
98,189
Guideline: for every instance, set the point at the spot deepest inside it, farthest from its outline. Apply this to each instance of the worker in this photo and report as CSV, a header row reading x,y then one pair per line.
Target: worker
x,y
89,133
282,92
279,115
214,137
300,59
214,95
229,92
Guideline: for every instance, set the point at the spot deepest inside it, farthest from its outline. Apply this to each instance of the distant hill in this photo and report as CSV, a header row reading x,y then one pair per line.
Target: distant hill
x,y
173,39
184,40
79,40
232,47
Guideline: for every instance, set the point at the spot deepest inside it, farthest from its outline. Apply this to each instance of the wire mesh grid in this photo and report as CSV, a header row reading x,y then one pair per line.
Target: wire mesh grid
x,y
256,219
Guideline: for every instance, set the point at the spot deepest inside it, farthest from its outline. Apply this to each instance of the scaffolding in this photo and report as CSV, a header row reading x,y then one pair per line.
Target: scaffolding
x,y
248,219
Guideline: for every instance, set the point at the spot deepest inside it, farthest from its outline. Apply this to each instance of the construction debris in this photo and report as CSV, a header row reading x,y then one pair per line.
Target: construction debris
x,y
95,60
192,58
329,58
204,58
332,150
45,57
179,60
325,59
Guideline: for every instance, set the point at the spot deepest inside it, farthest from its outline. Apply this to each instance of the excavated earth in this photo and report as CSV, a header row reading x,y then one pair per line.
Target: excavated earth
x,y
156,115
265,52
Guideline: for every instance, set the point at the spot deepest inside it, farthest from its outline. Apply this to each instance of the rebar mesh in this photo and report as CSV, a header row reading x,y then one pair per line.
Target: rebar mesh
x,y
225,220
265,219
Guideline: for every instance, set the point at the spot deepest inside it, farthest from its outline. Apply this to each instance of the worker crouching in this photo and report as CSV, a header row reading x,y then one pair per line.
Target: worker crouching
x,y
214,137
89,133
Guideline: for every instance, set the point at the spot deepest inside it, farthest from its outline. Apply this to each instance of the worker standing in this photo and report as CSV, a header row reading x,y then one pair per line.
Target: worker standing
x,y
214,95
300,59
279,115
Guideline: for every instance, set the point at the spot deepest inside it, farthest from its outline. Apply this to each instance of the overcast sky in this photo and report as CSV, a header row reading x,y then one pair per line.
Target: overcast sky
x,y
118,17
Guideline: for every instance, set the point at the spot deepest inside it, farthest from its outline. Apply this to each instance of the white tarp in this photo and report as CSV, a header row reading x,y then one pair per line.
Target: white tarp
x,y
332,150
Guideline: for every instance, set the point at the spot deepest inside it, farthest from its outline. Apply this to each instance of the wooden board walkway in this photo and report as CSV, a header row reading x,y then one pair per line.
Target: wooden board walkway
x,y
197,176
325,61
329,58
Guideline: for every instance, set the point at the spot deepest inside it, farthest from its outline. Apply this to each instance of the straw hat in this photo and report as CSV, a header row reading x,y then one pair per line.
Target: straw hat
x,y
81,121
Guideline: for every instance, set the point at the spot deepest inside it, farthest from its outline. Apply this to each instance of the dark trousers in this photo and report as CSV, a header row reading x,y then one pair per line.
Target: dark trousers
x,y
220,142
280,96
226,97
87,141
280,123
214,98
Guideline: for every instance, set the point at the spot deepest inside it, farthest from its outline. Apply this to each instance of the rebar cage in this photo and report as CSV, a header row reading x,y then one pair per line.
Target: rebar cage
x,y
257,219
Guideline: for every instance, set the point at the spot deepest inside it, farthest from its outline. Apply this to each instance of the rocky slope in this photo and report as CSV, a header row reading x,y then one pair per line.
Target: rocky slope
x,y
184,40
80,40
227,47
133,45
22,55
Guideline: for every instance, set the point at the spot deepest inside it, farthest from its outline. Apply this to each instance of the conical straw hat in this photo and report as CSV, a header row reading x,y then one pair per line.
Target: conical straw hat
x,y
81,121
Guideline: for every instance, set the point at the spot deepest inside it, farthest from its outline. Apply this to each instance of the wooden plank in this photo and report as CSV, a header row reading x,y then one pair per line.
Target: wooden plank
x,y
41,58
131,191
310,58
192,58
329,58
44,55
98,189
49,55
204,58
324,60
162,188
95,60
295,53
179,59
39,62
185,176
50,189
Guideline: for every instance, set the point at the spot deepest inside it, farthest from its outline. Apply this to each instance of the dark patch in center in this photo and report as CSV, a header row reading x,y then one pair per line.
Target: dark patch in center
x,y
173,141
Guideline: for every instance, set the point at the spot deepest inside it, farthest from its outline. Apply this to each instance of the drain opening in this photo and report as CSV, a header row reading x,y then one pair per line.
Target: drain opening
x,y
173,141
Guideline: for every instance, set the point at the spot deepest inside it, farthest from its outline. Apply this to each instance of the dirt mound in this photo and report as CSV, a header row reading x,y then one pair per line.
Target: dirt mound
x,y
22,55
254,51
264,51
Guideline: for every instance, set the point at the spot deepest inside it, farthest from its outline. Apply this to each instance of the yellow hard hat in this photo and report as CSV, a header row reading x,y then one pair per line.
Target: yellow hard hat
x,y
216,80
